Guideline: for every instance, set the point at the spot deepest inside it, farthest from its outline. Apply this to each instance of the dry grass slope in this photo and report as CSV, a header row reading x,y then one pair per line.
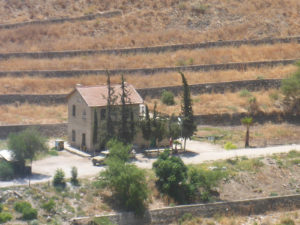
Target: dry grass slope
x,y
40,85
146,23
150,60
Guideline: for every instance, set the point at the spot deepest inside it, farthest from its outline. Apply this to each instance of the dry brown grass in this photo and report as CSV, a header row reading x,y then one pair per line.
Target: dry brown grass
x,y
178,58
146,23
220,103
32,114
40,85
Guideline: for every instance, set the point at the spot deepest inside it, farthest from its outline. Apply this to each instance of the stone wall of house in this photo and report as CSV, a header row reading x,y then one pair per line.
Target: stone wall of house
x,y
172,214
62,20
49,130
154,49
147,71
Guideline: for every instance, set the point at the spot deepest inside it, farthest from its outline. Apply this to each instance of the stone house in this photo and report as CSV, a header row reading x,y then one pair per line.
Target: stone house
x,y
83,101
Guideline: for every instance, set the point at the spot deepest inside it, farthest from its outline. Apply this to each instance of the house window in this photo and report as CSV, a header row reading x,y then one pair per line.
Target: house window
x,y
73,135
84,115
103,114
74,110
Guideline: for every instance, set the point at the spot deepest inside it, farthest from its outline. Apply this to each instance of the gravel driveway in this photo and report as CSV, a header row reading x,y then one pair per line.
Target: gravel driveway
x,y
199,152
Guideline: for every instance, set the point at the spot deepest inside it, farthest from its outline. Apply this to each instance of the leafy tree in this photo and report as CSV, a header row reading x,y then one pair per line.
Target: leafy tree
x,y
158,128
26,145
167,97
188,124
174,129
172,177
126,181
291,89
118,150
247,121
59,179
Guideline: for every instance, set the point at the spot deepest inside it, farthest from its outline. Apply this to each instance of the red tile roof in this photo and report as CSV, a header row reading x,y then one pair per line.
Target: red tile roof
x,y
96,96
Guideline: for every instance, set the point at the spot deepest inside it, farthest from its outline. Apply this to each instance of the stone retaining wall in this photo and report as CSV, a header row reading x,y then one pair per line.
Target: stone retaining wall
x,y
147,71
233,86
211,119
154,49
172,214
62,20
49,130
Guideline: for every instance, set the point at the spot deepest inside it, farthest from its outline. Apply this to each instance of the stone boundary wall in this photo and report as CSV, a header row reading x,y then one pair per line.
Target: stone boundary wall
x,y
147,71
227,119
233,86
170,215
34,99
154,49
60,129
49,130
62,20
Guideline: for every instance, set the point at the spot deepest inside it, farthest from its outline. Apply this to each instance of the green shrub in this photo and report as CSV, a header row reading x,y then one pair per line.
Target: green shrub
x,y
49,206
185,217
293,154
229,146
4,217
74,174
172,177
6,171
167,98
21,206
1,207
287,221
102,221
245,93
59,179
29,214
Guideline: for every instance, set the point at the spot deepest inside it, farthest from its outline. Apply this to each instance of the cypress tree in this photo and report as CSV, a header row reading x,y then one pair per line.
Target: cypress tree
x,y
188,125
95,128
124,132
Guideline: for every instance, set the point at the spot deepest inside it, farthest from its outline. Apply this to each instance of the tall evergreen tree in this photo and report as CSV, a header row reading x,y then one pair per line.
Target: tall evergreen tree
x,y
188,124
95,128
146,125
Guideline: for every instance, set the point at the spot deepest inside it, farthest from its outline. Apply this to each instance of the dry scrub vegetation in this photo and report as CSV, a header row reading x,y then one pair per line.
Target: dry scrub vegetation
x,y
223,103
178,58
32,114
41,85
145,23
267,134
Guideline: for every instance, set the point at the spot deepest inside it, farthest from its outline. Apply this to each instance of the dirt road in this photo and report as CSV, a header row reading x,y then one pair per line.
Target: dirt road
x,y
198,152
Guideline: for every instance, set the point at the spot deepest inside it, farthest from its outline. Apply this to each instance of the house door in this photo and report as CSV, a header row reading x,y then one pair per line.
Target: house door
x,y
83,143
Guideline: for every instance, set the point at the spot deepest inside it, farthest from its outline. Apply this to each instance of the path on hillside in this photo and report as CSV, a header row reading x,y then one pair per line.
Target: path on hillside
x,y
199,152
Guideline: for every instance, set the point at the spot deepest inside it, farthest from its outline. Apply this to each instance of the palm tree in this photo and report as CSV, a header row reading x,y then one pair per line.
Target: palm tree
x,y
247,121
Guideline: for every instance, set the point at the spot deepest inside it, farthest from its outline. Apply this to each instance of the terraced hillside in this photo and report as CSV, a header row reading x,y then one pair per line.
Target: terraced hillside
x,y
141,24
145,23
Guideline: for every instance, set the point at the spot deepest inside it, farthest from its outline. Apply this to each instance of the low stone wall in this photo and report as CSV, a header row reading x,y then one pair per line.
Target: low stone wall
x,y
146,71
62,20
33,99
220,87
154,49
172,214
250,85
227,119
49,130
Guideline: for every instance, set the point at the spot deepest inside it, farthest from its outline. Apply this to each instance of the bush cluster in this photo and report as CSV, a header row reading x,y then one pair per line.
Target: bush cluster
x,y
28,213
4,217
59,179
74,174
167,98
6,171
49,206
